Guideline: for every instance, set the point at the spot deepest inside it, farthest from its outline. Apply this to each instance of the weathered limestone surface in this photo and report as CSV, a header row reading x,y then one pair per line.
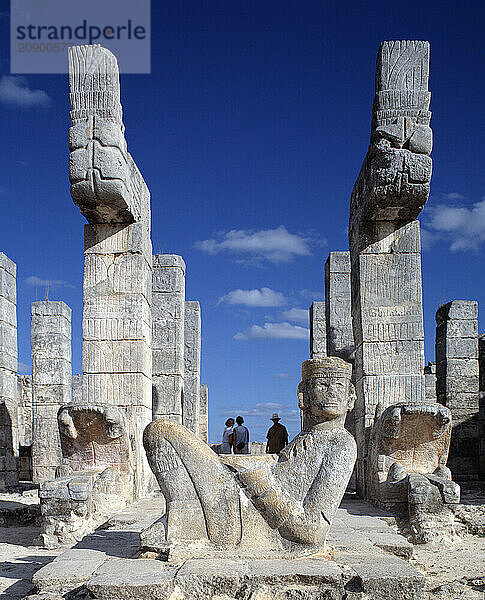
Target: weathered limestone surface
x,y
24,395
390,192
340,337
457,382
407,465
363,567
204,413
77,388
8,378
430,381
318,330
25,423
481,420
111,193
101,432
51,382
292,499
168,309
192,348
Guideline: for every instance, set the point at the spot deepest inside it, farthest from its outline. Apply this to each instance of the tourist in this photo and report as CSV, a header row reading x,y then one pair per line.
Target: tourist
x,y
227,437
277,436
241,437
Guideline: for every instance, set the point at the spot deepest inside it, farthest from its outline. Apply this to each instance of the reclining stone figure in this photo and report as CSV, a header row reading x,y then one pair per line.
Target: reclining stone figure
x,y
293,497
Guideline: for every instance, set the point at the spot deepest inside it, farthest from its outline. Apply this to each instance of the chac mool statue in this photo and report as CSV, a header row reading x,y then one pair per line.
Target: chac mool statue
x,y
266,504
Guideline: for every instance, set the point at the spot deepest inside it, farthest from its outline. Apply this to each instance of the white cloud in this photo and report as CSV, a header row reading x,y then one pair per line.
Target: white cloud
x,y
463,228
312,294
266,409
15,91
263,297
274,331
298,315
35,281
452,196
284,376
427,239
274,245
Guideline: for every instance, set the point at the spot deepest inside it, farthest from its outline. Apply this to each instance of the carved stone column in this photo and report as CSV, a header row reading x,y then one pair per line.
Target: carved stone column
x,y
340,338
110,192
168,309
318,333
390,192
9,442
192,342
457,379
51,383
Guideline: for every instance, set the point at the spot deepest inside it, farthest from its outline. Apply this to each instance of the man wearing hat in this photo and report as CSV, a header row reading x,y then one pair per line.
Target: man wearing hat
x,y
277,436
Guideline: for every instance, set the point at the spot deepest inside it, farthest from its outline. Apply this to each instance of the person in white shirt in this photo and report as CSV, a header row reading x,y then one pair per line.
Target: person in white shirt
x,y
227,437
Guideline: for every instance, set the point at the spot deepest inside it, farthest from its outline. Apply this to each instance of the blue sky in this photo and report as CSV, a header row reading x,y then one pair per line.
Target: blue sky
x,y
250,132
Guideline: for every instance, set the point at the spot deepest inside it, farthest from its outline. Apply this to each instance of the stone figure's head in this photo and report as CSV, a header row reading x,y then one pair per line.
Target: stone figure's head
x,y
326,391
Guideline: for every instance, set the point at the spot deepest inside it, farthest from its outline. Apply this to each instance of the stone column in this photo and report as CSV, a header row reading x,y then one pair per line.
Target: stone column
x,y
168,309
457,382
430,381
192,339
110,192
390,192
318,332
340,338
25,423
204,413
9,442
77,388
51,383
481,418
24,412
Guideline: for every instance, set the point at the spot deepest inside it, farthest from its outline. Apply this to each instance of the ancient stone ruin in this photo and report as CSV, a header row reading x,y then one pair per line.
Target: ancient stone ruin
x,y
126,478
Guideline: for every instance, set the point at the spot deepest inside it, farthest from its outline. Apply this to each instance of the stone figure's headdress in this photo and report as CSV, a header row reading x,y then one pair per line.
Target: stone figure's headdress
x,y
331,366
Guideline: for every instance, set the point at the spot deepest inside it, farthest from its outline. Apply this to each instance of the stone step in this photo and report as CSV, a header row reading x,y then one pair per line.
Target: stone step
x,y
350,576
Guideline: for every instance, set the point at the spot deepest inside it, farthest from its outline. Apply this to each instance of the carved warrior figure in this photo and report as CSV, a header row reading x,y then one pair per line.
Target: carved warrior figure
x,y
296,496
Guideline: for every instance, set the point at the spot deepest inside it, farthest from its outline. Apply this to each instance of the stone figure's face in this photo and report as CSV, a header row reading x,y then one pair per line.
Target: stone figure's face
x,y
327,398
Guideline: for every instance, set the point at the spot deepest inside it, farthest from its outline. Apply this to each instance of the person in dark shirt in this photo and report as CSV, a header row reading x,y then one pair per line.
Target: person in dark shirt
x,y
241,437
277,436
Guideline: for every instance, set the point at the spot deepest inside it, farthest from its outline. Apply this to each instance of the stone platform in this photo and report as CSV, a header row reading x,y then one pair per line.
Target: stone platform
x,y
365,561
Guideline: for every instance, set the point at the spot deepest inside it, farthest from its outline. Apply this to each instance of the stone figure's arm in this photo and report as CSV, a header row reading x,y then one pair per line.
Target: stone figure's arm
x,y
306,521
295,521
